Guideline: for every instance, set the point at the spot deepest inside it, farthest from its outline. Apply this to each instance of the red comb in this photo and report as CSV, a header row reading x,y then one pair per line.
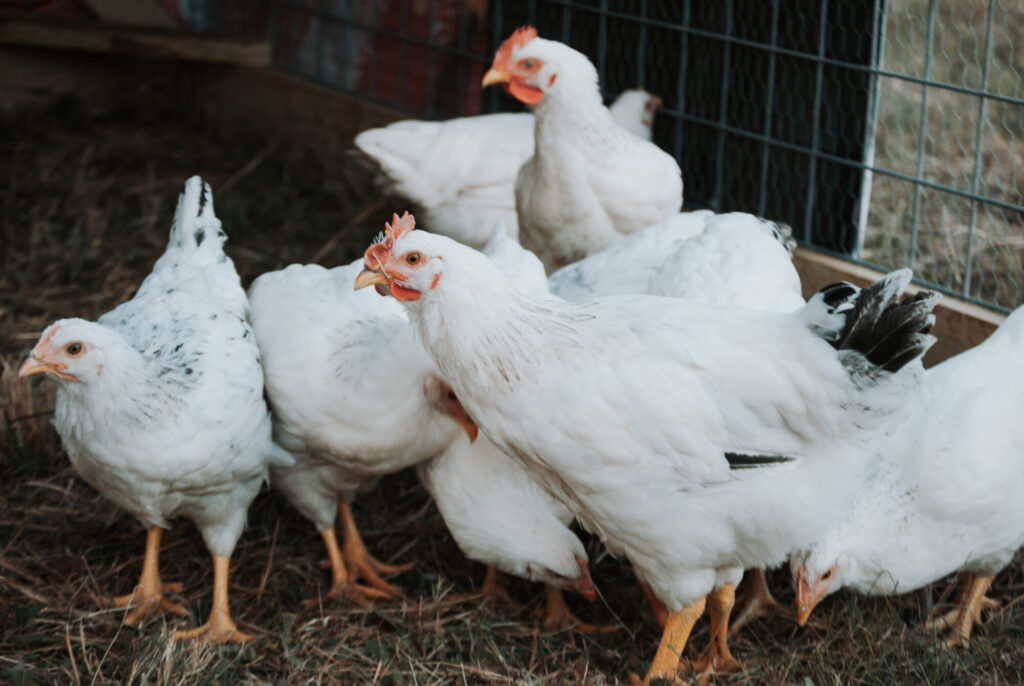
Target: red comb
x,y
519,38
377,254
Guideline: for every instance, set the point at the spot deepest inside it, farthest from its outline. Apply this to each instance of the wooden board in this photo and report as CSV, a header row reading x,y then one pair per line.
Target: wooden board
x,y
134,12
958,324
280,107
134,41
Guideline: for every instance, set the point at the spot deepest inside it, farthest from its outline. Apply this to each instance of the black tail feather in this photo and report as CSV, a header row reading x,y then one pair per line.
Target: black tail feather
x,y
889,333
748,461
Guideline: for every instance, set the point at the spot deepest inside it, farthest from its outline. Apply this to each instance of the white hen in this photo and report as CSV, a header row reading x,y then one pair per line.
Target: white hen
x,y
497,513
696,440
729,259
589,182
160,404
461,173
947,495
356,397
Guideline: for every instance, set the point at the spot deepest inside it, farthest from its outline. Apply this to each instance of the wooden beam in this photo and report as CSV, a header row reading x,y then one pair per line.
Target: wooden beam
x,y
279,107
959,325
134,41
131,12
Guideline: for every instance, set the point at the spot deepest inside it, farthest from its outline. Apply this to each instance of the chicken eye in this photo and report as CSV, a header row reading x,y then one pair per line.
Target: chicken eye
x,y
530,63
413,258
827,575
73,349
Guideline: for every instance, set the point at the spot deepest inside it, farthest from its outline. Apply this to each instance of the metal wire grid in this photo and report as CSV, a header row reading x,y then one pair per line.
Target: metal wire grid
x,y
887,132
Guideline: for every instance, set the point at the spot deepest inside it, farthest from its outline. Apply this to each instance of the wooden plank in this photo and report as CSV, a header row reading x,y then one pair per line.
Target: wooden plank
x,y
320,120
36,78
959,325
133,12
138,42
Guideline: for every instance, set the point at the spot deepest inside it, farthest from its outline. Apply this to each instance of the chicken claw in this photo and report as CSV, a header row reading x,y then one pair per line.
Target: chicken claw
x,y
148,594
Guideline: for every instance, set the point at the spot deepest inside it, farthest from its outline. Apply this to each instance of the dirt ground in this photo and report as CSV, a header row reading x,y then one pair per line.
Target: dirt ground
x,y
86,199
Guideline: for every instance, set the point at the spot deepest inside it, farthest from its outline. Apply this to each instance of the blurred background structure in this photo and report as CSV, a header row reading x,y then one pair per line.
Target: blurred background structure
x,y
887,132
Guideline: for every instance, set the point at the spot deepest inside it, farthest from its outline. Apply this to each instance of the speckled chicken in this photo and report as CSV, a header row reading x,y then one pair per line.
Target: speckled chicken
x,y
160,405
945,497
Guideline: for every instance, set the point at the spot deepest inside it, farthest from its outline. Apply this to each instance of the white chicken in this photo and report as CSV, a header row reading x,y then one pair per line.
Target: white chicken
x,y
696,440
589,182
328,353
497,513
946,496
461,173
729,259
160,405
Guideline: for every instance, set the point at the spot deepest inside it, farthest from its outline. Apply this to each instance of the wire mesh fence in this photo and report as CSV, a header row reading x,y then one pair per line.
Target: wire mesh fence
x,y
887,132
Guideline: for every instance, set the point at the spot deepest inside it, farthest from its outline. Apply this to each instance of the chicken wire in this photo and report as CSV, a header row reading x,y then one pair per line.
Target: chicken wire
x,y
890,133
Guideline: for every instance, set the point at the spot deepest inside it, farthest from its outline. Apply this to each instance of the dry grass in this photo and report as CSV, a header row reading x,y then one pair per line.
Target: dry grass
x,y
937,246
85,203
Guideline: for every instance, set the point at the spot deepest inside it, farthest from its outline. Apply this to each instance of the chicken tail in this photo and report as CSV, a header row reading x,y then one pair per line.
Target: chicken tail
x,y
196,229
783,233
887,332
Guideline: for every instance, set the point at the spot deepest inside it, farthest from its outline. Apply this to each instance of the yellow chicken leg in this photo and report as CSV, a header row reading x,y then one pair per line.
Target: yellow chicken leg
x,y
358,561
219,628
341,586
959,621
717,659
148,595
492,590
756,601
673,640
558,616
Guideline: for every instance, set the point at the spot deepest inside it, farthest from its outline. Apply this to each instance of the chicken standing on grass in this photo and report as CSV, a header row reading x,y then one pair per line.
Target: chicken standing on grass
x,y
461,173
589,182
696,440
946,498
160,405
356,397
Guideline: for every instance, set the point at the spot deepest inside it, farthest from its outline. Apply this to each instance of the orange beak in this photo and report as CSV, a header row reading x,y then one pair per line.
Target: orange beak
x,y
369,277
807,598
34,365
494,76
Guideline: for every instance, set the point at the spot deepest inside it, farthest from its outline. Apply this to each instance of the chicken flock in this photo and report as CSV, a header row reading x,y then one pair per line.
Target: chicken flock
x,y
561,346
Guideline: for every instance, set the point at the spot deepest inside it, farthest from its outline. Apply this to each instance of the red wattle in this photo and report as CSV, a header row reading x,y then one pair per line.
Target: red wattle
x,y
523,93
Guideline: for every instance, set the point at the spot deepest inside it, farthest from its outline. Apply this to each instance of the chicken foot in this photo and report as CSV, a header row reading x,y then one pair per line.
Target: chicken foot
x,y
359,562
148,594
959,621
558,616
678,626
492,591
219,628
717,659
341,585
757,601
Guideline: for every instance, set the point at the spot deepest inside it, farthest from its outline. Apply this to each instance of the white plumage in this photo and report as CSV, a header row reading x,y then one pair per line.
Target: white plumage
x,y
730,259
160,402
461,173
946,496
589,182
627,409
356,397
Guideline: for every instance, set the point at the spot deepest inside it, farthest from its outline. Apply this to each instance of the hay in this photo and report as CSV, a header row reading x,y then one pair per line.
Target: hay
x,y
86,203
